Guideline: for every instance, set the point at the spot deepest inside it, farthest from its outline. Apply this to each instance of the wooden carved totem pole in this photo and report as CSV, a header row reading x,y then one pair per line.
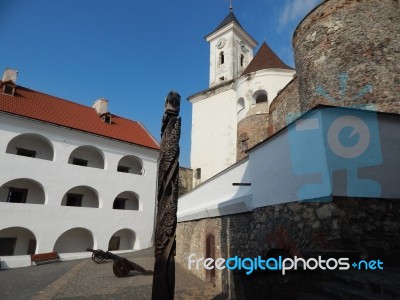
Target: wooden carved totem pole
x,y
167,200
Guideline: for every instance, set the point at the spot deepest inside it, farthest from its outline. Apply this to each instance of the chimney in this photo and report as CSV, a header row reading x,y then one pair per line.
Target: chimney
x,y
10,75
101,106
9,82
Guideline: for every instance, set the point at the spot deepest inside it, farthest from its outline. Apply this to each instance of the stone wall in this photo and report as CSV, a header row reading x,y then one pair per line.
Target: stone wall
x,y
185,180
347,54
284,107
370,226
250,131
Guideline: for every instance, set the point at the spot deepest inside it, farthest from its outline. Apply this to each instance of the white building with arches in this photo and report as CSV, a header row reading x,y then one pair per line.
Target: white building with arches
x,y
71,177
240,86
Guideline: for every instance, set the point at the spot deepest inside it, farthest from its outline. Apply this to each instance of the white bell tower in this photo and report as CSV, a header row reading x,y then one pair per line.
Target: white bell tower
x,y
214,116
231,50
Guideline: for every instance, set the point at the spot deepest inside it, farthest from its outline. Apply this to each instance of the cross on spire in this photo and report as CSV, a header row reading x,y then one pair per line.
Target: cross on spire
x,y
230,5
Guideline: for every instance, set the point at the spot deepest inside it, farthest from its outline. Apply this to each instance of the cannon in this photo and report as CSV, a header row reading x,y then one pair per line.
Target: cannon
x,y
121,266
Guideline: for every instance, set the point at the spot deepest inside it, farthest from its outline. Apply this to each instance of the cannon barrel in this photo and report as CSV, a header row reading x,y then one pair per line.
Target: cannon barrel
x,y
121,266
103,255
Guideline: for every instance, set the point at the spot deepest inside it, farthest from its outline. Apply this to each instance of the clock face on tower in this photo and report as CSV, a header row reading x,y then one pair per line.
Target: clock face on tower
x,y
243,47
221,43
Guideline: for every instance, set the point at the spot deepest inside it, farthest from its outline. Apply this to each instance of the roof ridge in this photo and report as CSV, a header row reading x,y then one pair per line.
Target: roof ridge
x,y
51,109
51,96
145,129
230,17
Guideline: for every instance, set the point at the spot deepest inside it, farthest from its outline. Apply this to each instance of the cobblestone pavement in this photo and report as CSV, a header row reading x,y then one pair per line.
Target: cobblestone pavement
x,y
84,279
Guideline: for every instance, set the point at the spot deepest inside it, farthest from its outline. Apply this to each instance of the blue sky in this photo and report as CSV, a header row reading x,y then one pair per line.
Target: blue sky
x,y
132,52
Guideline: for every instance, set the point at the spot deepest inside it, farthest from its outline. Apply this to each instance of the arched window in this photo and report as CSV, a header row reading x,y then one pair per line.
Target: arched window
x,y
74,240
260,96
87,156
17,241
127,201
240,104
22,190
31,145
123,239
221,58
81,196
130,164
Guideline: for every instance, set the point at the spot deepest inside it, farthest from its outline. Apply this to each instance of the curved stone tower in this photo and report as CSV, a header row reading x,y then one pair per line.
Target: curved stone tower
x,y
347,53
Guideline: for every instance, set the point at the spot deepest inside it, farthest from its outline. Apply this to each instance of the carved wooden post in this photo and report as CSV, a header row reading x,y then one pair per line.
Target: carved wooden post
x,y
167,198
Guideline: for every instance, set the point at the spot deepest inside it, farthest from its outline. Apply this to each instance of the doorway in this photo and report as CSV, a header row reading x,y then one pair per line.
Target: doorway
x,y
210,253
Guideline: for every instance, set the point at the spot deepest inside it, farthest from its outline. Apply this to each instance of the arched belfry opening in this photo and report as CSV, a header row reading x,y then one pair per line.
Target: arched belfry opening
x,y
221,58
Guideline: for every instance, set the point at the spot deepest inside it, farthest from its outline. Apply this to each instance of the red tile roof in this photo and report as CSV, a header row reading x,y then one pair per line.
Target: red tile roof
x,y
265,59
35,105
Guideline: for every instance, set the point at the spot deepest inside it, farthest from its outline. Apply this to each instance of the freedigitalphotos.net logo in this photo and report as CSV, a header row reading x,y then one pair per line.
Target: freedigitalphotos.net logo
x,y
335,139
249,265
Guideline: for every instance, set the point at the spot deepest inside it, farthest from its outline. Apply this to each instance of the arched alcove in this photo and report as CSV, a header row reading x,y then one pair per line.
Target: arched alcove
x,y
260,96
240,104
127,201
130,164
17,241
87,156
123,239
22,190
81,196
74,240
31,145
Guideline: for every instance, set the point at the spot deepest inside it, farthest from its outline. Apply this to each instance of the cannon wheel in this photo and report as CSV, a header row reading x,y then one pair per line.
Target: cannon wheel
x,y
98,257
121,267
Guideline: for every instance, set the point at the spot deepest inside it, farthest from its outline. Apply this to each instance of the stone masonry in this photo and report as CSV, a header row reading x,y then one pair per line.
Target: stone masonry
x,y
185,180
350,50
250,131
369,226
285,106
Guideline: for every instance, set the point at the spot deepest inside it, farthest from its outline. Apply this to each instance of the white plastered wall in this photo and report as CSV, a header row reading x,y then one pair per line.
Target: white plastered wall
x,y
214,129
50,220
270,80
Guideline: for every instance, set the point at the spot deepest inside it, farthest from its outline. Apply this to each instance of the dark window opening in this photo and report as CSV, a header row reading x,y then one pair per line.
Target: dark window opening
x,y
7,246
107,118
123,169
221,58
222,78
16,195
261,98
74,200
244,145
8,89
197,173
26,152
31,246
119,203
114,243
79,162
241,60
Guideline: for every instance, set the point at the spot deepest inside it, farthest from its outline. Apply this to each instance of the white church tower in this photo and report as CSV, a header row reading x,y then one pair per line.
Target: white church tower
x,y
231,50
213,147
239,94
